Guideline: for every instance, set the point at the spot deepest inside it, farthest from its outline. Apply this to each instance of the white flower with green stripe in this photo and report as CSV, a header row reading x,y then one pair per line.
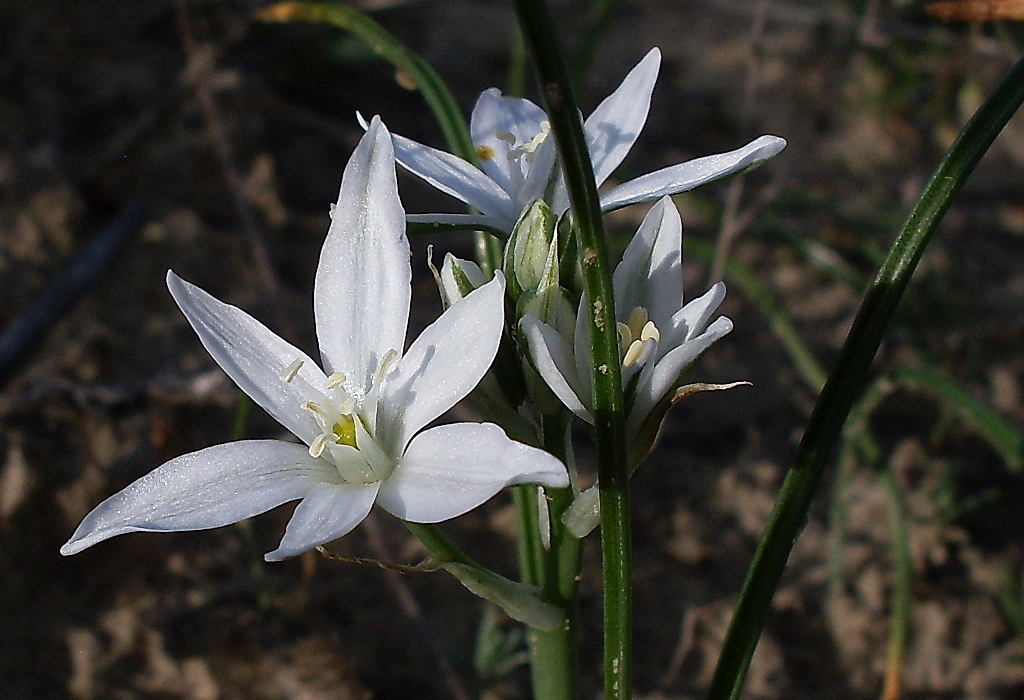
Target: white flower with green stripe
x,y
518,164
362,417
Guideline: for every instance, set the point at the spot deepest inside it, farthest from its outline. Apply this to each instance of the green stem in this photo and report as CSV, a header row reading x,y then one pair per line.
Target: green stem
x,y
440,545
613,465
554,662
846,380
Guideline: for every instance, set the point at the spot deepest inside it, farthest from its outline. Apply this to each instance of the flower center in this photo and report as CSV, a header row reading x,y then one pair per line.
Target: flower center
x,y
634,337
526,150
339,414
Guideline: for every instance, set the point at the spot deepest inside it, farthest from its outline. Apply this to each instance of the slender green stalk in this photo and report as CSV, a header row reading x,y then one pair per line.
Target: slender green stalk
x,y
554,662
613,466
846,380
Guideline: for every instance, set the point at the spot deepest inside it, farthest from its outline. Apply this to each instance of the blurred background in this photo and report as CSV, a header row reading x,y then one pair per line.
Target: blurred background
x,y
137,136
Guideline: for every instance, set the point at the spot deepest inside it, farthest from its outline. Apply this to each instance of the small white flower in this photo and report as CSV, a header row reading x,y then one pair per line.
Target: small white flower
x,y
518,159
362,417
659,336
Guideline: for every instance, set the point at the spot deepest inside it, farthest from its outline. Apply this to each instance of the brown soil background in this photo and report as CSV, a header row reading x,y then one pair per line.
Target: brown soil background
x,y
103,103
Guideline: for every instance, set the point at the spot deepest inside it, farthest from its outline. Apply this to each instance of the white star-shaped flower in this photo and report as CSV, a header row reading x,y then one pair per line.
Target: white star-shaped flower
x,y
362,417
659,335
518,160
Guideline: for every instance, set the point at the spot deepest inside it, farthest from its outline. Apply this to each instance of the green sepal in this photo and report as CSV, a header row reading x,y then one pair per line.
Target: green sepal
x,y
520,601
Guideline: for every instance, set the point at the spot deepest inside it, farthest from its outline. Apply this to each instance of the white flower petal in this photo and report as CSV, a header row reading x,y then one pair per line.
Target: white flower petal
x,y
210,488
651,271
614,126
695,315
686,176
451,469
442,366
656,383
539,175
454,176
364,279
253,356
553,359
452,289
328,512
495,118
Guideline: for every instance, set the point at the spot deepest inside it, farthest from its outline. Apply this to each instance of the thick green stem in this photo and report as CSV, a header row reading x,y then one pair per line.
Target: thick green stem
x,y
845,381
613,464
554,662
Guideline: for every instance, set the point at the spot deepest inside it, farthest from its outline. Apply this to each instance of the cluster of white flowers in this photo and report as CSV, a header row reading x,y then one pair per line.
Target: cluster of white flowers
x,y
364,416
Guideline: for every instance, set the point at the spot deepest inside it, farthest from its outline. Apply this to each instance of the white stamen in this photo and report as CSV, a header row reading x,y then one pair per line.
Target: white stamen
x,y
289,373
317,410
506,136
633,354
650,332
317,448
386,363
336,380
529,148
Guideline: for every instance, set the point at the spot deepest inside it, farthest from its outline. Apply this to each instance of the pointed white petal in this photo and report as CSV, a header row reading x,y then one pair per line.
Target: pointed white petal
x,y
458,278
657,382
451,469
651,271
210,488
364,280
327,513
442,366
553,359
614,126
495,119
694,173
253,356
688,322
454,176
538,175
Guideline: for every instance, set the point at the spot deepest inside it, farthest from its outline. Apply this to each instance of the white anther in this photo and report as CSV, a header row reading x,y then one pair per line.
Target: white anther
x,y
336,380
506,136
633,354
650,332
289,373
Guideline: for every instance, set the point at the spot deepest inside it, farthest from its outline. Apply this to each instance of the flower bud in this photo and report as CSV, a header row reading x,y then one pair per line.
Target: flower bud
x,y
531,253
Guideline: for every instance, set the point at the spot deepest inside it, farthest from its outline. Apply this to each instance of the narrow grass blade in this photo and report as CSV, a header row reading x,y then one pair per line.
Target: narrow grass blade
x,y
845,382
